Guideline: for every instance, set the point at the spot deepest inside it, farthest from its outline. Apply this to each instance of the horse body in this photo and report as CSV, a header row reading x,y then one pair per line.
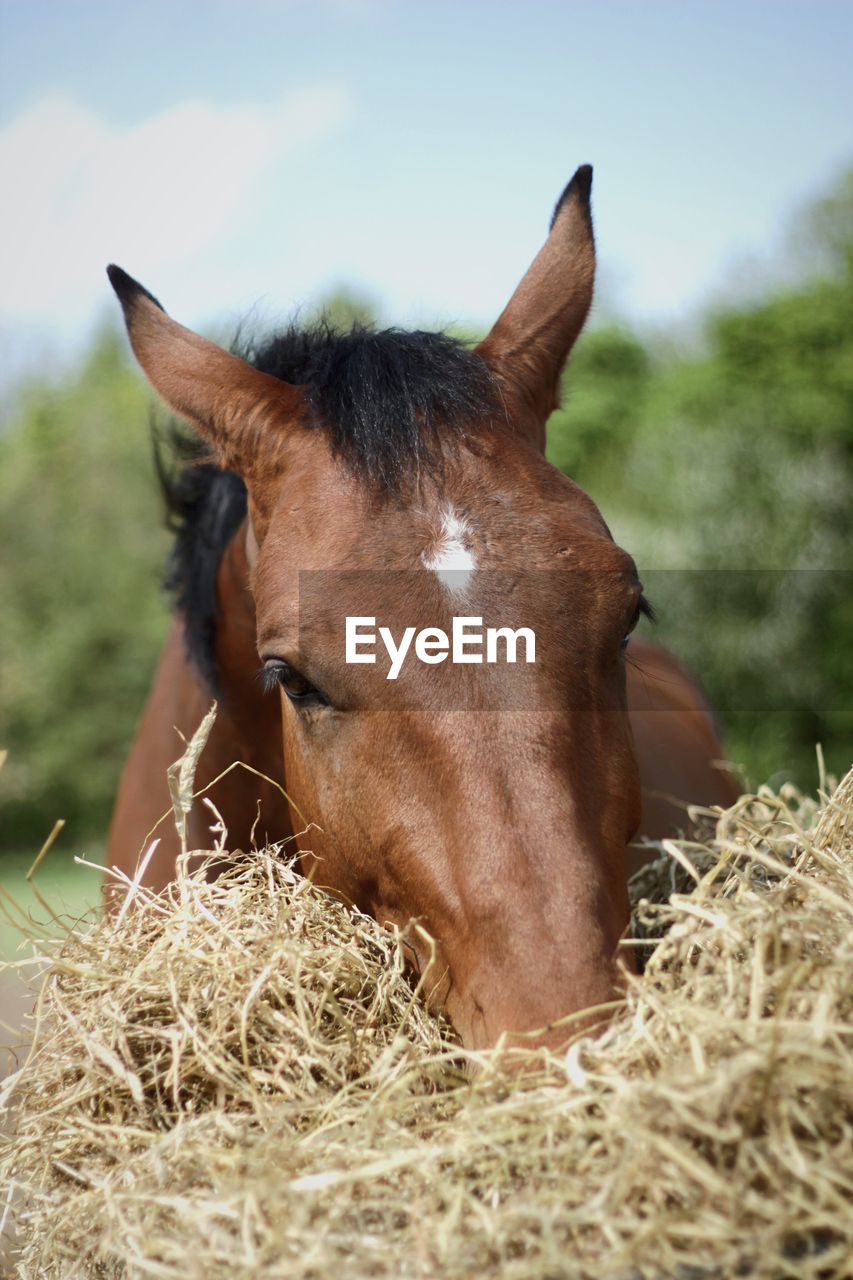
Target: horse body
x,y
403,477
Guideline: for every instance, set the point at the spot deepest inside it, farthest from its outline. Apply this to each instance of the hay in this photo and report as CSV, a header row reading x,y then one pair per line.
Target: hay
x,y
238,1082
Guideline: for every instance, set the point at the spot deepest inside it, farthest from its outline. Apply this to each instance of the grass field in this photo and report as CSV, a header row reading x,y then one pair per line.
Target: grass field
x,y
69,890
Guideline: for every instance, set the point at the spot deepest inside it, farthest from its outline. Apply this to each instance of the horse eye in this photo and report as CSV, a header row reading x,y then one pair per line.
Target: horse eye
x,y
643,610
276,673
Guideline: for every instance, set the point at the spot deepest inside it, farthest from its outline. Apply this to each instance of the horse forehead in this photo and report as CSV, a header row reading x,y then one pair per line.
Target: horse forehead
x,y
483,527
491,510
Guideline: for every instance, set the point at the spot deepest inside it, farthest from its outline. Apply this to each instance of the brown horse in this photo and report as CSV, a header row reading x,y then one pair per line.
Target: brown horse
x,y
400,477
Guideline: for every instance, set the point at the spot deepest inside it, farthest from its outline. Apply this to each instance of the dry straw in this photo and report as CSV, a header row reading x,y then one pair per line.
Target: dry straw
x,y
238,1081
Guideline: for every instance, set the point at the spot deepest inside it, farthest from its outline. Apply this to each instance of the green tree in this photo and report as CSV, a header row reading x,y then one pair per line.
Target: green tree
x,y
728,475
82,615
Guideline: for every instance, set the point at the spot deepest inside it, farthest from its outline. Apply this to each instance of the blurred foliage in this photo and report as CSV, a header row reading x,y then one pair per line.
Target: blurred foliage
x,y
343,308
727,474
82,617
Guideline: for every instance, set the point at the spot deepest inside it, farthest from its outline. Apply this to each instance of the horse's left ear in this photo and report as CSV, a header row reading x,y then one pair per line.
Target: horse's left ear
x,y
228,400
534,334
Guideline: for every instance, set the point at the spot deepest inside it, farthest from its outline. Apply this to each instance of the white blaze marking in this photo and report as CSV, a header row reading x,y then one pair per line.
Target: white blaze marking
x,y
450,557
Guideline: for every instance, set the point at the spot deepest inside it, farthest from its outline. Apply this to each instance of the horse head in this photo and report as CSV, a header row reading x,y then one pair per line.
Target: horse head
x,y
490,801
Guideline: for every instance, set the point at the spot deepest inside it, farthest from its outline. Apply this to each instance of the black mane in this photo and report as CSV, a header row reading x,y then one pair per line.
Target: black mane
x,y
383,396
390,402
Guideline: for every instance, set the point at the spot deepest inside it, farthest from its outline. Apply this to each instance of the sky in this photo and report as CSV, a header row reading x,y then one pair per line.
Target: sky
x,y
251,156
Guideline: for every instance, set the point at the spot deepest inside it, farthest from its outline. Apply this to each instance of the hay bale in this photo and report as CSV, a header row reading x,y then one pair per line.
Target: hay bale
x,y
237,1081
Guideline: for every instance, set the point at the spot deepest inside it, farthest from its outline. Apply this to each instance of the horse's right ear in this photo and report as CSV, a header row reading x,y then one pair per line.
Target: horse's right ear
x,y
228,400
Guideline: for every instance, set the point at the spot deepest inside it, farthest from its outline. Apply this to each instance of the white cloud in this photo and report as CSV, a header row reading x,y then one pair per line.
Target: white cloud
x,y
152,195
